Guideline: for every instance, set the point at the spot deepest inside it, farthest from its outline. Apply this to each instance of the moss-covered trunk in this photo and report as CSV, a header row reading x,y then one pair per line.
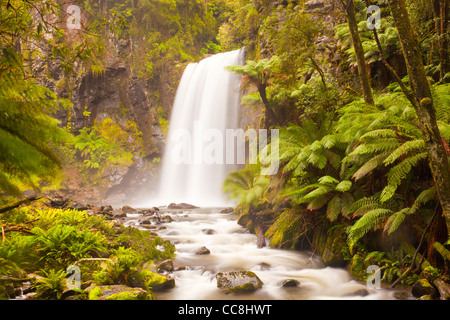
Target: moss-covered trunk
x,y
424,105
359,51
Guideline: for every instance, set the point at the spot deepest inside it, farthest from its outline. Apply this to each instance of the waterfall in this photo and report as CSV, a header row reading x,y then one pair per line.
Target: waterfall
x,y
206,104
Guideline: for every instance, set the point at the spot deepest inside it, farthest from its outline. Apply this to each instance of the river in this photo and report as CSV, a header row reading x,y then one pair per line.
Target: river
x,y
232,247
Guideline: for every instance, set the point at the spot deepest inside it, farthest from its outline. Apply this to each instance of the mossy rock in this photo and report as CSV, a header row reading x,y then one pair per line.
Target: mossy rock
x,y
356,267
332,252
3,293
423,288
116,292
238,281
244,219
153,281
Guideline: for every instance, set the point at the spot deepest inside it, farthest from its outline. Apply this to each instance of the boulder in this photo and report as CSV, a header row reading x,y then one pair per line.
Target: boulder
x,y
181,206
423,288
238,281
153,281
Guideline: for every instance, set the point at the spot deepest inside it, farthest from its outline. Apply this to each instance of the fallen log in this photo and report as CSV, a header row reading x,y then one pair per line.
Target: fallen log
x,y
443,288
15,204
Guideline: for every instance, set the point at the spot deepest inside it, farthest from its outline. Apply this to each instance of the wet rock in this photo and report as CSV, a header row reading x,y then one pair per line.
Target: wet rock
x,y
181,206
264,266
401,295
208,231
57,202
128,209
78,206
145,221
227,210
202,251
238,281
362,292
290,283
166,265
423,288
153,281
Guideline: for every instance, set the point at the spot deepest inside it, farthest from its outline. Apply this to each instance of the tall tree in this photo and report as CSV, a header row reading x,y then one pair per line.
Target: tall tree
x,y
349,8
423,105
440,13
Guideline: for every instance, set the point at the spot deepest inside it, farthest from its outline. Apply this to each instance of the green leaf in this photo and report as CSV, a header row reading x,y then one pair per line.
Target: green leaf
x,y
344,186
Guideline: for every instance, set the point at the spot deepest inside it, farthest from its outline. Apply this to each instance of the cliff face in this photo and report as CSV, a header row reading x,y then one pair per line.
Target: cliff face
x,y
116,93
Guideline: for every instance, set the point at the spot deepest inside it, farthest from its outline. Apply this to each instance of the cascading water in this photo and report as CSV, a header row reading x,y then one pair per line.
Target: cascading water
x,y
207,100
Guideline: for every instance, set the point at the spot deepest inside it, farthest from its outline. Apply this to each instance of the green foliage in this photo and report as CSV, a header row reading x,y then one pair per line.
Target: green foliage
x,y
28,134
107,145
51,285
125,264
62,245
258,72
247,186
287,229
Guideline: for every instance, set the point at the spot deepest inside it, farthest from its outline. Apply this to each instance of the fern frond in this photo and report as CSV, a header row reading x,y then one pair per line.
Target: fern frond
x,y
376,147
370,165
379,133
368,222
363,205
405,148
398,173
424,197
395,220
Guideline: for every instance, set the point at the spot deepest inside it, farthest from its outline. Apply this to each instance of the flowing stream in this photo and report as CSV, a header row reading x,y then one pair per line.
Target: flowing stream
x,y
234,248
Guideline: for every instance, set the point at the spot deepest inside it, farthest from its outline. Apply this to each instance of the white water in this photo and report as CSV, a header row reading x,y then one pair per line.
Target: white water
x,y
233,248
207,98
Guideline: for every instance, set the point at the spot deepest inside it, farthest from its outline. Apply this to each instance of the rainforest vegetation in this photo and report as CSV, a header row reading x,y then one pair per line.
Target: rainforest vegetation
x,y
361,100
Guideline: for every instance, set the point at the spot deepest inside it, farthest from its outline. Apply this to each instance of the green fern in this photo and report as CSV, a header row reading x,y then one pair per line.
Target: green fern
x,y
398,173
368,222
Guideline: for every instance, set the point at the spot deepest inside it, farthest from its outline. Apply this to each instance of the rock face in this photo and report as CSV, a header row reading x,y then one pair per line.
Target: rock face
x,y
238,281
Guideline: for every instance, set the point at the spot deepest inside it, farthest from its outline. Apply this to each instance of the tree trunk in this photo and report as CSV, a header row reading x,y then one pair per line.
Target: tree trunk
x,y
443,38
440,15
359,51
424,106
271,118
